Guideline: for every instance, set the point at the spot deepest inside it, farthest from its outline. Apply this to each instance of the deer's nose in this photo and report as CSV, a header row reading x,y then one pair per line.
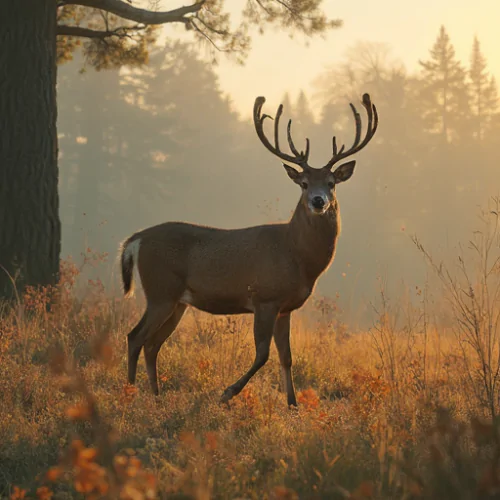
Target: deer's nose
x,y
318,202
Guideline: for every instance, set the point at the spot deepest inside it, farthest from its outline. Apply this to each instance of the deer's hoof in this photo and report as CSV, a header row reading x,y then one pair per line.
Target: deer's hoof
x,y
227,396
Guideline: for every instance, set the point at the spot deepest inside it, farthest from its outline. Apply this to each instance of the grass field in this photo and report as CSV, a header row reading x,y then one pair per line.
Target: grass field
x,y
405,410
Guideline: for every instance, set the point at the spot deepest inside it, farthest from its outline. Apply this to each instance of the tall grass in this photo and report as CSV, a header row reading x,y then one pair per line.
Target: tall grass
x,y
405,410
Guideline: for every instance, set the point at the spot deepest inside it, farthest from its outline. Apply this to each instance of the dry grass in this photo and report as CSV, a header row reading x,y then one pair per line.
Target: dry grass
x,y
386,414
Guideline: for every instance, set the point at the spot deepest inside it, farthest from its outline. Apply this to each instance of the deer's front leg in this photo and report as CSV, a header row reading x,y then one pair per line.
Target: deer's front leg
x,y
282,341
263,328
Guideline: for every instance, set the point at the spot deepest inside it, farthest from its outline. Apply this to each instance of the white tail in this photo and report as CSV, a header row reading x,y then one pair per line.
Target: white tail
x,y
130,257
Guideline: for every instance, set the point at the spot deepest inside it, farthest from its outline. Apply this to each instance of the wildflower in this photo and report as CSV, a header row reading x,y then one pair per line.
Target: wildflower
x,y
18,493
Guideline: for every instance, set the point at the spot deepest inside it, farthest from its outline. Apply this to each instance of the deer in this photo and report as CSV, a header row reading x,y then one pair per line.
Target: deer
x,y
268,270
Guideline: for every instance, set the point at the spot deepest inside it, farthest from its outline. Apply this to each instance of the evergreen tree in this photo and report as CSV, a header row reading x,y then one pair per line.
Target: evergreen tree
x,y
303,123
444,92
303,111
287,104
484,95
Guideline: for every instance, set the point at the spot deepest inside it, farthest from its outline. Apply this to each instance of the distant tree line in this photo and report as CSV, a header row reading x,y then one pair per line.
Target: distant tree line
x,y
143,146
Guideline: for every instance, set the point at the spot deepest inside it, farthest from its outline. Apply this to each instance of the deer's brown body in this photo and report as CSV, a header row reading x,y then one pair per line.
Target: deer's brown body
x,y
267,270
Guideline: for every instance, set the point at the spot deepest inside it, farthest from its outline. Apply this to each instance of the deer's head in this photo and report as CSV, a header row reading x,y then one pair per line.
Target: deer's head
x,y
318,184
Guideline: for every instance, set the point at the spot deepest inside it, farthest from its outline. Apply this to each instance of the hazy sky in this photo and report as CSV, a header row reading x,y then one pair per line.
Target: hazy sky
x,y
277,64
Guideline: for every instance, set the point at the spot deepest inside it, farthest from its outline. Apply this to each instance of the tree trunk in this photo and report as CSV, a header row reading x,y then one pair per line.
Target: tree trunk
x,y
30,237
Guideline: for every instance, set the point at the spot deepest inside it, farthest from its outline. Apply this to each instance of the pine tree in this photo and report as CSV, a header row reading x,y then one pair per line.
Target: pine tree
x,y
303,119
444,92
303,111
491,94
288,108
483,91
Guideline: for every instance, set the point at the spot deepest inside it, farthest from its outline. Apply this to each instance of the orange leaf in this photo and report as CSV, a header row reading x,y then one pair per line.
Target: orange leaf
x,y
44,493
18,493
308,398
88,454
78,412
54,473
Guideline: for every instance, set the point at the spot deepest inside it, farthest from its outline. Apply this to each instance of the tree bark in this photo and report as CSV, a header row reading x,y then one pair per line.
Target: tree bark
x,y
30,230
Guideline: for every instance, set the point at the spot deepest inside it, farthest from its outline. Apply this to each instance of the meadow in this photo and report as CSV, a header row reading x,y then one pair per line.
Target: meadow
x,y
407,409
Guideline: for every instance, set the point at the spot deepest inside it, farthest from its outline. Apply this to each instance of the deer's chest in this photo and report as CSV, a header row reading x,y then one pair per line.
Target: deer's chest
x,y
296,299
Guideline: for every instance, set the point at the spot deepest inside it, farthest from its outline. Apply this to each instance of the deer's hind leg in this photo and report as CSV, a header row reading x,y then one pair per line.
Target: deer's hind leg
x,y
154,318
134,349
154,342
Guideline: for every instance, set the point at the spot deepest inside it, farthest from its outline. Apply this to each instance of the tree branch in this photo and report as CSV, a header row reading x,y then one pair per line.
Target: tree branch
x,y
77,31
211,28
207,37
143,16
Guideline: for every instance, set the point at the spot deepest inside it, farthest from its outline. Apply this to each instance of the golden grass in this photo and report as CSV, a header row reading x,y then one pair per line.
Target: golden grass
x,y
385,414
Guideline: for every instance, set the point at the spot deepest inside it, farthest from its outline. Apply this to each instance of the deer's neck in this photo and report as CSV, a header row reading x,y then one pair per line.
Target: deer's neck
x,y
314,238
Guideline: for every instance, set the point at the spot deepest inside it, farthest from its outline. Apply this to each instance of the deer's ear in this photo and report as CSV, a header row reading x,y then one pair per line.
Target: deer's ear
x,y
344,171
295,175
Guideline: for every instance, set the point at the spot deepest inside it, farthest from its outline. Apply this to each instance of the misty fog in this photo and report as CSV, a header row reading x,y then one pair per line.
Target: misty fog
x,y
140,147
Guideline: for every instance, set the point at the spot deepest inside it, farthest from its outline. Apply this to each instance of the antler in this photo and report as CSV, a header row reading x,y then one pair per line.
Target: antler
x,y
299,158
371,110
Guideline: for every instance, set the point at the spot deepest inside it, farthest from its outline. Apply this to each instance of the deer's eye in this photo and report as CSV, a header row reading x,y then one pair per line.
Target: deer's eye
x,y
304,185
331,185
